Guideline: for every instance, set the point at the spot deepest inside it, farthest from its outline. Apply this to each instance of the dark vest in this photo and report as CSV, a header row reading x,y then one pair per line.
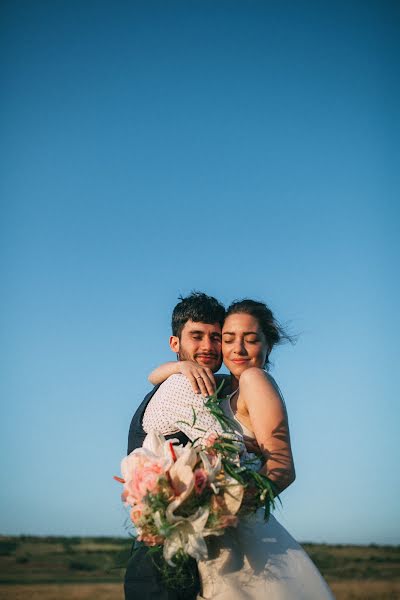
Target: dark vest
x,y
143,578
136,431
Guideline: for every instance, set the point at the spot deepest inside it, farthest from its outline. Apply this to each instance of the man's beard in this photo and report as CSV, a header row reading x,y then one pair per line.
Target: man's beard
x,y
183,356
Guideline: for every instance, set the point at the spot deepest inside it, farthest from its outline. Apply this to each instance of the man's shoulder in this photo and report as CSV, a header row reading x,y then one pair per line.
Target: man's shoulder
x,y
174,385
177,389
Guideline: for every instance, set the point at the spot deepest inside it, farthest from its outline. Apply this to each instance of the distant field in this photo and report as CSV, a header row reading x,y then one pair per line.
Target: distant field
x,y
58,568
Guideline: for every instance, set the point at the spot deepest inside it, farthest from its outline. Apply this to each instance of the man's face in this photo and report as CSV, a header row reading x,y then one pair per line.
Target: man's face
x,y
200,342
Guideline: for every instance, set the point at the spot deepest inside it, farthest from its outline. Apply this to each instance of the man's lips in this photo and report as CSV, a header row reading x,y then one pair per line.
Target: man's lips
x,y
206,357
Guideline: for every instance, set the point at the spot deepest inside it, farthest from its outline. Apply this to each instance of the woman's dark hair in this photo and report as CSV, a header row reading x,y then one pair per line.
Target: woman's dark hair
x,y
273,331
196,307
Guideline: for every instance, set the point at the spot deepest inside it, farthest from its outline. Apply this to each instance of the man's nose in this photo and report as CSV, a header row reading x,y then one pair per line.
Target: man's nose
x,y
207,343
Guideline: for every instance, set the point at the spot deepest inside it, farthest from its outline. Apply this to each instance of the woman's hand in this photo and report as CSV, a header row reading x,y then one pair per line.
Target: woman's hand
x,y
201,378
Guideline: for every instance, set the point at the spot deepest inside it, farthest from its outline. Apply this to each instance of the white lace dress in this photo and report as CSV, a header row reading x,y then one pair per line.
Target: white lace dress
x,y
257,560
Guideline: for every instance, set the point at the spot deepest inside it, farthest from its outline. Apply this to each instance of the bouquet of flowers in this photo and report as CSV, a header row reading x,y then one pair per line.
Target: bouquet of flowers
x,y
180,495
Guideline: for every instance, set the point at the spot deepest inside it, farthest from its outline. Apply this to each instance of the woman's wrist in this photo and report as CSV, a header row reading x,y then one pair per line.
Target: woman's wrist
x,y
179,366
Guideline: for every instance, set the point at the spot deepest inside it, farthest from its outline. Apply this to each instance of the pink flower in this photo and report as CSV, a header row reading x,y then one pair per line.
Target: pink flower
x,y
145,480
200,480
210,441
142,474
137,513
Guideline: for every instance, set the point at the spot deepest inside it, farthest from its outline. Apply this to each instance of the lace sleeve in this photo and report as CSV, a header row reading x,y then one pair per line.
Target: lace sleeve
x,y
175,407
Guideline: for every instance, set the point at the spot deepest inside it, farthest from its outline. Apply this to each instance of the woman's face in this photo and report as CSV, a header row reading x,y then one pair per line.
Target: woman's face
x,y
243,343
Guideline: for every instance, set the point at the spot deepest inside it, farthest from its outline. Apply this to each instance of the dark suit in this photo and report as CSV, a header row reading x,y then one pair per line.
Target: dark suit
x,y
142,578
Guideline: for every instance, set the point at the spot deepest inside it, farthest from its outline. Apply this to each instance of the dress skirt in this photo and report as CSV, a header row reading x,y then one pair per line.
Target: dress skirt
x,y
259,560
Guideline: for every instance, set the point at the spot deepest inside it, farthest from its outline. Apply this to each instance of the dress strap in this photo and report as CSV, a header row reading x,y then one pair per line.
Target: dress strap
x,y
232,394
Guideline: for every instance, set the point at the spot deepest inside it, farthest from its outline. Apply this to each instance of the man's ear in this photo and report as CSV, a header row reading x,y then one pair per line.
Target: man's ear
x,y
174,343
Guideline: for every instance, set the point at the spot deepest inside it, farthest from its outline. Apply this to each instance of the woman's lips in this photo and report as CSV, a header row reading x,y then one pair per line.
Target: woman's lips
x,y
240,361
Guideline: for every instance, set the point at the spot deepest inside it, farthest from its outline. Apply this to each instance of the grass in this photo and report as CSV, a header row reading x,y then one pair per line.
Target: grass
x,y
54,591
356,562
49,568
41,560
358,589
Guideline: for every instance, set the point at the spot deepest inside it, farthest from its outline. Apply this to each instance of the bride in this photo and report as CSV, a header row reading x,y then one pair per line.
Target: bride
x,y
258,559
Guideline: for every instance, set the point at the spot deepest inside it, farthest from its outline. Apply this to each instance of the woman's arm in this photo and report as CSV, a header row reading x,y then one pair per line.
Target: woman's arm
x,y
164,371
270,426
201,378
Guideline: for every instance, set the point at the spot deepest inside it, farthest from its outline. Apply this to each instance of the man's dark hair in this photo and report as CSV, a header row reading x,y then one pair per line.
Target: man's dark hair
x,y
196,307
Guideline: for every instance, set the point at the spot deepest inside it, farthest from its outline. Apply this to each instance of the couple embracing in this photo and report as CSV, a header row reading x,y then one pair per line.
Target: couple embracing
x,y
257,559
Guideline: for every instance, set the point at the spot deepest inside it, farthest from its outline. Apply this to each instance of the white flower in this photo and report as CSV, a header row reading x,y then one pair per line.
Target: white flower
x,y
211,470
182,479
156,443
188,535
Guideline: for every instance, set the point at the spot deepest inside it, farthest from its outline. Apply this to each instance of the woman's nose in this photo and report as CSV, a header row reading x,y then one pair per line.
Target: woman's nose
x,y
239,347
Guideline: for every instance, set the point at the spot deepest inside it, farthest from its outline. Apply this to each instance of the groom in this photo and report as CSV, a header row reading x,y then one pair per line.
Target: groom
x,y
196,335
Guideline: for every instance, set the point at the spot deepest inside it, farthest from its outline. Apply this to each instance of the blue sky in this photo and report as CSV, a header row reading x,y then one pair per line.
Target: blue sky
x,y
240,148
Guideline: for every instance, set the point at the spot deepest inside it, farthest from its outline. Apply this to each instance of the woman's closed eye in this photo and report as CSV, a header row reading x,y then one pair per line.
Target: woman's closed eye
x,y
247,341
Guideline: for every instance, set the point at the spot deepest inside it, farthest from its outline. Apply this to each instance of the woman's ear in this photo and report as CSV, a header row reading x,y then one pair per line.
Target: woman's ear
x,y
174,343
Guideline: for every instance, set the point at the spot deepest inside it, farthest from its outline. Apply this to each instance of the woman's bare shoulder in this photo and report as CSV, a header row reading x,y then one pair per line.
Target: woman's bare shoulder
x,y
257,375
257,386
253,375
